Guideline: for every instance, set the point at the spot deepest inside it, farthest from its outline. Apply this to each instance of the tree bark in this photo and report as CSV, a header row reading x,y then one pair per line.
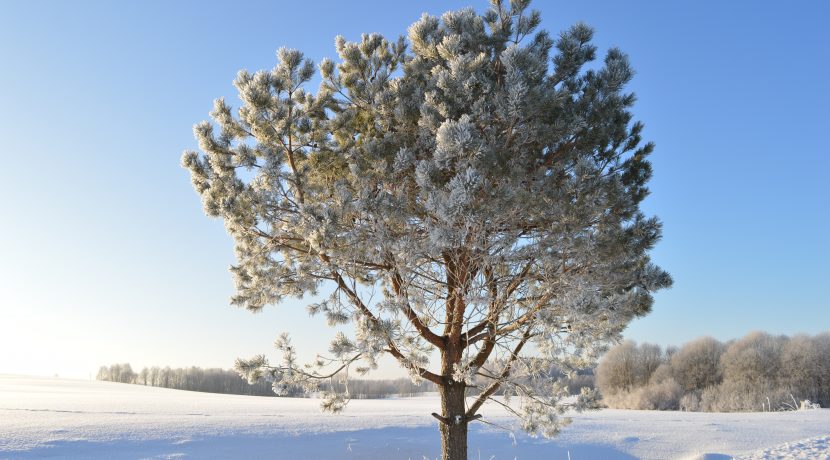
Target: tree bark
x,y
454,426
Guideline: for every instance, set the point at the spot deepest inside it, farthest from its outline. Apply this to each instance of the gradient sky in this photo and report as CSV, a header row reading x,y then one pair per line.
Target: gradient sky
x,y
105,255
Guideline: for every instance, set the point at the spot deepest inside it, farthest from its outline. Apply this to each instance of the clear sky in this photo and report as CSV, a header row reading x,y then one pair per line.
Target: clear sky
x,y
105,255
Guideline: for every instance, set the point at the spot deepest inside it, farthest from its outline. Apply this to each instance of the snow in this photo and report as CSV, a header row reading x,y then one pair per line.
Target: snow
x,y
811,448
46,417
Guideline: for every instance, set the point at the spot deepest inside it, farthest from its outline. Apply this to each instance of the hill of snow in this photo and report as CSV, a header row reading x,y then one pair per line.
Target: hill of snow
x,y
45,417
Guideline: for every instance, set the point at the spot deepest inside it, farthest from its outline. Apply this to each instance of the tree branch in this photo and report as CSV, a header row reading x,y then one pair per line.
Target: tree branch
x,y
393,349
497,383
315,376
497,306
423,330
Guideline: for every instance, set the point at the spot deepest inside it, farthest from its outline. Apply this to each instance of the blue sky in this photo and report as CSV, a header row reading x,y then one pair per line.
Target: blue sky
x,y
105,255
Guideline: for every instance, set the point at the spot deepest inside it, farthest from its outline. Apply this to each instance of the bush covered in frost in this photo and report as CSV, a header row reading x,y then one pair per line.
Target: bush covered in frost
x,y
759,372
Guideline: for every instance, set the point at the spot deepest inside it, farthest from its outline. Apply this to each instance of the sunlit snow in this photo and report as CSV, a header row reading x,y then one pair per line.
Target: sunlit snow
x,y
45,417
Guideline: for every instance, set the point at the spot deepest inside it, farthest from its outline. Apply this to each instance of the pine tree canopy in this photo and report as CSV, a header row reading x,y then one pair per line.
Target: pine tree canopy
x,y
467,197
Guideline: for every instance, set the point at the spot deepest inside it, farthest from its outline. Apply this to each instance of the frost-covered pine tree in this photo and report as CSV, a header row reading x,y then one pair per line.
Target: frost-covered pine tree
x,y
467,199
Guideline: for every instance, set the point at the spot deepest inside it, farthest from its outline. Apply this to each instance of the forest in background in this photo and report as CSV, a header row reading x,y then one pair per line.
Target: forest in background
x,y
229,382
759,372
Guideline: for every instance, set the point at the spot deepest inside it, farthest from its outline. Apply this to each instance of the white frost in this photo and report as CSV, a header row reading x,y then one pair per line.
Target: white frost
x,y
42,417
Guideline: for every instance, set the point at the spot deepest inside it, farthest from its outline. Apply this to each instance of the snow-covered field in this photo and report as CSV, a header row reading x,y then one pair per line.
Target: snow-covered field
x,y
44,417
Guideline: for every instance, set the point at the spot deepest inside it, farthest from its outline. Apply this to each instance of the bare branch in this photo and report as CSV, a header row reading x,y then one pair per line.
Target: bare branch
x,y
482,398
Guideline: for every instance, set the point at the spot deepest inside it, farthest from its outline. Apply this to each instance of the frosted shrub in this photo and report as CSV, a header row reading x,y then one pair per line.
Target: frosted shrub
x,y
627,366
697,365
662,392
753,361
807,405
662,396
823,345
759,372
615,371
732,396
662,373
690,402
805,367
637,377
649,358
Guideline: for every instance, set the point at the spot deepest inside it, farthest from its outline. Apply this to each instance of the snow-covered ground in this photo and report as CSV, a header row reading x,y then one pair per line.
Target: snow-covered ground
x,y
44,417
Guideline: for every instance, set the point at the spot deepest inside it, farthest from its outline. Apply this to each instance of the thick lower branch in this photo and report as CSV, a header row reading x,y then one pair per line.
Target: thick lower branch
x,y
423,330
431,376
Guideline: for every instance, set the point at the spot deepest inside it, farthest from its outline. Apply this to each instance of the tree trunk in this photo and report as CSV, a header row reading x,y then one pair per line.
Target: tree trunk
x,y
453,433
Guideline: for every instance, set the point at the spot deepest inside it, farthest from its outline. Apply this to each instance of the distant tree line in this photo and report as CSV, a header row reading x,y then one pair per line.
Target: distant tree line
x,y
756,373
571,381
379,389
229,382
186,378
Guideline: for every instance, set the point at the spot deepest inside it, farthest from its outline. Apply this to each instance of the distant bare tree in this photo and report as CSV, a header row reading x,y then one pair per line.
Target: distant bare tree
x,y
697,364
